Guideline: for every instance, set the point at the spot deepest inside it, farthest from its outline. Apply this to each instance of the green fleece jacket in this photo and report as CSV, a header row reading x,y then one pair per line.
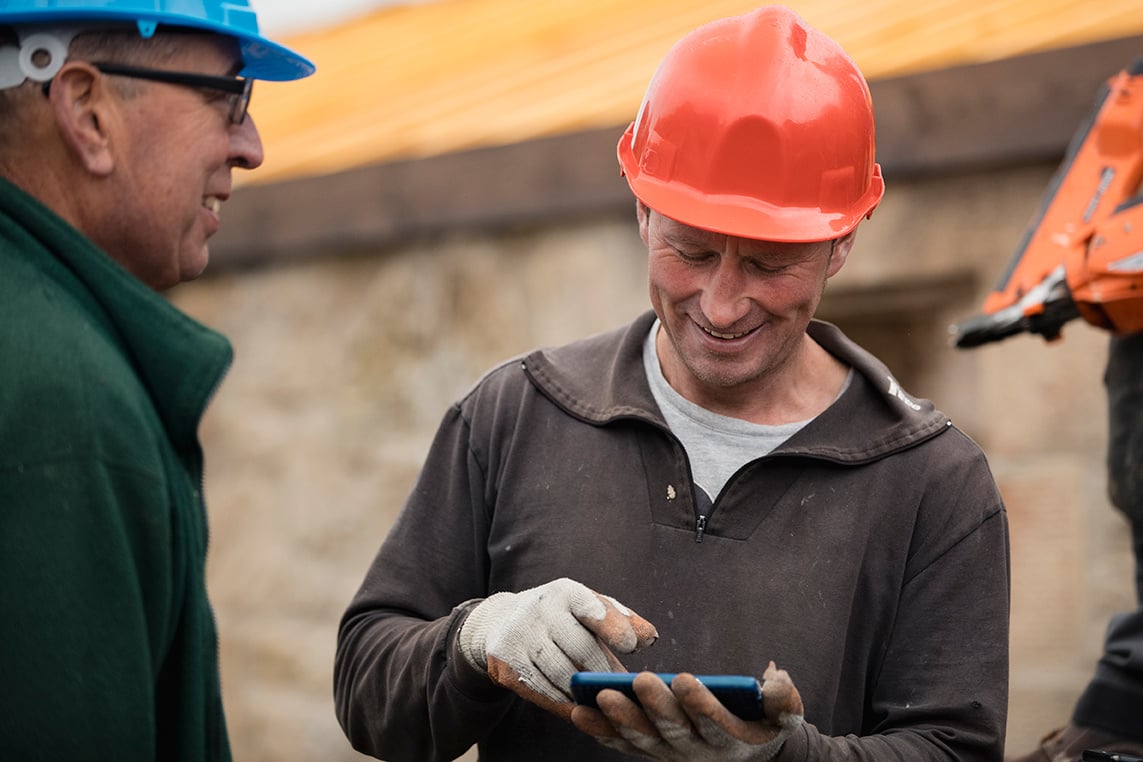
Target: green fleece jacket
x,y
108,640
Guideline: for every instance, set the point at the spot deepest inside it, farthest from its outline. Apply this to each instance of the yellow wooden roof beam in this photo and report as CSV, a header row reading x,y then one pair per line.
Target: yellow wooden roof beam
x,y
436,77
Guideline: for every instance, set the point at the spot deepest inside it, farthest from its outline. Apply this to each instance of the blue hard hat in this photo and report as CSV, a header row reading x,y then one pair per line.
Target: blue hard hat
x,y
262,58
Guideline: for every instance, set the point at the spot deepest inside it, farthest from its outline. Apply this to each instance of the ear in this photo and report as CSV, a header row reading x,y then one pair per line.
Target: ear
x,y
840,252
643,214
81,103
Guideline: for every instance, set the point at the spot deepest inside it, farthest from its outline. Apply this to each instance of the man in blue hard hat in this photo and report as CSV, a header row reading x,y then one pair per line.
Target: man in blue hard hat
x,y
120,124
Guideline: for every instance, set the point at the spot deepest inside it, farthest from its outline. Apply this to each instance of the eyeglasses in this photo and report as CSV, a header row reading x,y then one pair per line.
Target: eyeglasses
x,y
238,87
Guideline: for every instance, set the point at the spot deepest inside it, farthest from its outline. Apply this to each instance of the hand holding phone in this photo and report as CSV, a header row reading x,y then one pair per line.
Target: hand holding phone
x,y
741,694
665,721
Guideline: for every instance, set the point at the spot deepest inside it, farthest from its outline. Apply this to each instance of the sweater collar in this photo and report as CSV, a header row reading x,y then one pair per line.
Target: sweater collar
x,y
601,379
179,361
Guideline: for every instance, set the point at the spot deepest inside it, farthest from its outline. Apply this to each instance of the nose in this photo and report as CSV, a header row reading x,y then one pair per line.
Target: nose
x,y
723,300
246,145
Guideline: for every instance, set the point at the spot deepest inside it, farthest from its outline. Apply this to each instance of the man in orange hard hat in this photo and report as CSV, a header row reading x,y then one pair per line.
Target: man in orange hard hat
x,y
724,486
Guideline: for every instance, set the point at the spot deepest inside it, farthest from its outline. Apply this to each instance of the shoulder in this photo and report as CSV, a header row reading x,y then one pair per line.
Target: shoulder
x,y
69,390
595,380
573,370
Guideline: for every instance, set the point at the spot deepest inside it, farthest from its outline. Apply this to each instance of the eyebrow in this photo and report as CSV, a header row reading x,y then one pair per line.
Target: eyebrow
x,y
687,238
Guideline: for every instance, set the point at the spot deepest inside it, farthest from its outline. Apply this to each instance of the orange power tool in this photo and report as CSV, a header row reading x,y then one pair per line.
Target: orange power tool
x,y
1082,253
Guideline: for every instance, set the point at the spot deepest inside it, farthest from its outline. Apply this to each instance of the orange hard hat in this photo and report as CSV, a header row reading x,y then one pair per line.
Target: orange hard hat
x,y
756,126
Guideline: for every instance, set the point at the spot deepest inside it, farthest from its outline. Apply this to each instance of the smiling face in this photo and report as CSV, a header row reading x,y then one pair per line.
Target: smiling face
x,y
734,311
173,150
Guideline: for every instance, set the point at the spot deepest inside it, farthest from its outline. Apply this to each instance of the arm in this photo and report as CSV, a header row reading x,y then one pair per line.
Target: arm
x,y
1123,379
939,685
399,689
87,608
949,704
416,679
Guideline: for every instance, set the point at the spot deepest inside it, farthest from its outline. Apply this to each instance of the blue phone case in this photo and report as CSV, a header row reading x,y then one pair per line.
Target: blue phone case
x,y
741,694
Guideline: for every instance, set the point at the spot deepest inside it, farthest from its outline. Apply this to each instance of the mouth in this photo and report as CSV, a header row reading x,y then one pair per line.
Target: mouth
x,y
213,203
726,336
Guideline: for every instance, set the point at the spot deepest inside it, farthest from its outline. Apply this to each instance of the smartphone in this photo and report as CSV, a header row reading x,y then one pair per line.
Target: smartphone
x,y
741,694
1091,755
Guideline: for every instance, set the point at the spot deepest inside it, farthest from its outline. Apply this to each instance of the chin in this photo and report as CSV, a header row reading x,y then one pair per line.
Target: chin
x,y
194,267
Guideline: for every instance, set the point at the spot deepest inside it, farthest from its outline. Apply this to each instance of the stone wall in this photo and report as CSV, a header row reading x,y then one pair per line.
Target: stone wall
x,y
345,363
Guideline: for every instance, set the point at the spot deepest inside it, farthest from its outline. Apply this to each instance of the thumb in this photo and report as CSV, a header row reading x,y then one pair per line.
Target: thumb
x,y
782,702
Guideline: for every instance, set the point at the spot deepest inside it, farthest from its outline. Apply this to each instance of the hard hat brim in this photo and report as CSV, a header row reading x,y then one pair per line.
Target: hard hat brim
x,y
262,58
740,216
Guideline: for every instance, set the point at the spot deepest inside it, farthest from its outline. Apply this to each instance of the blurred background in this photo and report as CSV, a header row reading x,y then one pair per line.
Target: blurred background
x,y
444,194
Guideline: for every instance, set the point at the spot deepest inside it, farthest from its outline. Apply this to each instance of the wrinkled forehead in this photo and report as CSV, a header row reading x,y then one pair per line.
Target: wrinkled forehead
x,y
687,237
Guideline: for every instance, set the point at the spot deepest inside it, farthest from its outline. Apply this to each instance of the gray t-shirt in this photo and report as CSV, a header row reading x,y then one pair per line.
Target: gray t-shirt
x,y
717,445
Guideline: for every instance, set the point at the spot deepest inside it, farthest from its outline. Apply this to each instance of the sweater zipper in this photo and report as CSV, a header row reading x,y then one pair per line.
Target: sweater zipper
x,y
700,527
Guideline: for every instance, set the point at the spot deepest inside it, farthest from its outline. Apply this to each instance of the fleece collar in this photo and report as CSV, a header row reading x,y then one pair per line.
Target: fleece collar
x,y
601,380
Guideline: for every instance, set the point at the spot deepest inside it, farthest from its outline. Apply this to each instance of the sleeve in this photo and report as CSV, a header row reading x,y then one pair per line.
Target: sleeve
x,y
1123,379
401,690
87,602
941,691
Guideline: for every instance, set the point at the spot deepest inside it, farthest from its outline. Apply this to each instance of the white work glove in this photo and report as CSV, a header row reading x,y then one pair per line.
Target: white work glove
x,y
532,642
686,723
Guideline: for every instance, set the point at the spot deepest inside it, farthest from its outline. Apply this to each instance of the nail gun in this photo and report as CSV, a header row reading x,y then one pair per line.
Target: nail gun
x,y
1081,256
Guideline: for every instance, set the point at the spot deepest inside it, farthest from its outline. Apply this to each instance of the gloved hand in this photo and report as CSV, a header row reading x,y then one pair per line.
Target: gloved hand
x,y
532,641
686,723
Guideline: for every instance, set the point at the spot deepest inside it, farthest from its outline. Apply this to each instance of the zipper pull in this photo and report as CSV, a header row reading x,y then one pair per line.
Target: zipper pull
x,y
700,528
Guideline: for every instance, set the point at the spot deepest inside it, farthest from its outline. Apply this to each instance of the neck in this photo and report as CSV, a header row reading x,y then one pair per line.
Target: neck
x,y
800,388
